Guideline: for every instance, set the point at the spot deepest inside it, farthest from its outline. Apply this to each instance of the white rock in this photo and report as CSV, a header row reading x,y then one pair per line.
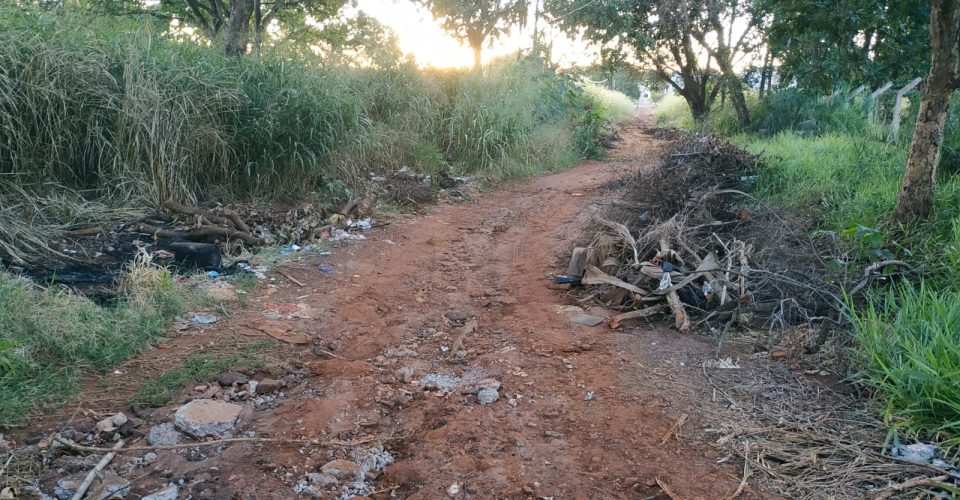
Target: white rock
x,y
453,490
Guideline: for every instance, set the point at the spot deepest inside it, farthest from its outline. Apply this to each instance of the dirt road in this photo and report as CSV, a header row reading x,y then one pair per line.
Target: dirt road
x,y
431,305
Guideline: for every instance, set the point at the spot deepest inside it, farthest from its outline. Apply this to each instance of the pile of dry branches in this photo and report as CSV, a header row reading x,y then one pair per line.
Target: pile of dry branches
x,y
687,235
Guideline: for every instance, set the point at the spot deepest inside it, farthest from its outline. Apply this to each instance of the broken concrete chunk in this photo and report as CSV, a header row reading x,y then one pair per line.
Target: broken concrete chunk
x,y
169,493
164,434
207,417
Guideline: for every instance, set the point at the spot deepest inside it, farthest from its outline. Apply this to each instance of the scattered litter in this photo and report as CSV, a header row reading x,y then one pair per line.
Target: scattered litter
x,y
290,249
363,224
918,452
203,319
325,269
589,396
213,274
340,234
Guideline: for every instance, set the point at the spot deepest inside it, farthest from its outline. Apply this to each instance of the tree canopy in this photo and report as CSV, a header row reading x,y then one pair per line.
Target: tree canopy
x,y
477,22
821,43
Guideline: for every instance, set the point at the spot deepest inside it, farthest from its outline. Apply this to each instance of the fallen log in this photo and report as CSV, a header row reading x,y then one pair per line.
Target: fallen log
x,y
639,313
230,218
203,232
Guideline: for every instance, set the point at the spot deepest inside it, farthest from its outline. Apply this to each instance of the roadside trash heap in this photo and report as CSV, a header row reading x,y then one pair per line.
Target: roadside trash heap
x,y
687,238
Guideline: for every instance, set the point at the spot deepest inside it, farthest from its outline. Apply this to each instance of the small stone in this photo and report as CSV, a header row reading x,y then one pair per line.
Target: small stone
x,y
453,490
458,317
169,493
200,388
405,374
230,378
207,417
321,480
341,469
269,385
306,489
111,423
430,385
488,395
164,434
588,319
149,458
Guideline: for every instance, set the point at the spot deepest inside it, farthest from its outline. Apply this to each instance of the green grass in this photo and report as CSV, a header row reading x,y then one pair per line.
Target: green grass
x,y
50,338
910,353
616,105
196,369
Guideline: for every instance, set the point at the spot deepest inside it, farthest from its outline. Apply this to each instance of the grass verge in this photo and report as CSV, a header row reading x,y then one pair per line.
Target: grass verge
x,y
50,338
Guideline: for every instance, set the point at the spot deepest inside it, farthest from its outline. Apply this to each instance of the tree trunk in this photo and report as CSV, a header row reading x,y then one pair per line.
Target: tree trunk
x,y
739,101
477,61
697,104
915,201
238,27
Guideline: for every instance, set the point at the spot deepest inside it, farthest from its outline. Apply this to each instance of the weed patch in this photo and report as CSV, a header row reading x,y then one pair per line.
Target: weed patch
x,y
49,338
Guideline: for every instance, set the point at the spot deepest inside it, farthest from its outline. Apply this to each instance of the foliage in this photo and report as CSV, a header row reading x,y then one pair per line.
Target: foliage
x,y
110,107
676,39
615,105
911,356
823,44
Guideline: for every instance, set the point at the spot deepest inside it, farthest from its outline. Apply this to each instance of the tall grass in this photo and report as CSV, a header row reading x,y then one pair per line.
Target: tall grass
x,y
910,354
118,109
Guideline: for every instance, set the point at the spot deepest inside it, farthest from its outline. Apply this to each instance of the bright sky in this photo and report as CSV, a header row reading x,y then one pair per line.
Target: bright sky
x,y
421,35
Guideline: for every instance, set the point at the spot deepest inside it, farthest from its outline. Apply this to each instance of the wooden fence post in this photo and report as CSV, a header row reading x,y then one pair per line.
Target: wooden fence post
x,y
895,124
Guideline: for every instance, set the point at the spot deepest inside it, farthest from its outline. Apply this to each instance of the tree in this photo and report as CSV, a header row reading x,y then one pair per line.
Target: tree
x,y
677,39
477,21
822,43
915,201
234,20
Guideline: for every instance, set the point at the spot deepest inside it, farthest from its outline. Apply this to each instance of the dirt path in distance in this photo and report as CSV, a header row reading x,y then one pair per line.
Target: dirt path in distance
x,y
458,295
